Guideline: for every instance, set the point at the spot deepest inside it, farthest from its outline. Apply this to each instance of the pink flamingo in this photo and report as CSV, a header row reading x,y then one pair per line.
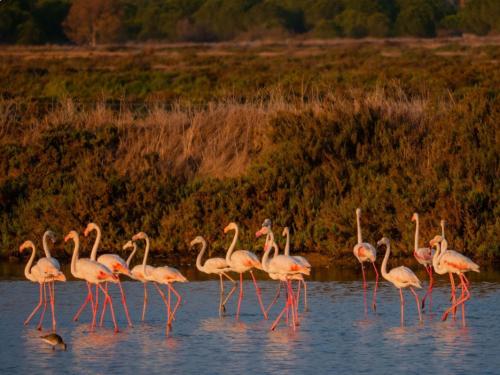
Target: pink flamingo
x,y
450,261
114,263
300,259
42,273
143,271
365,252
217,266
242,261
93,273
423,255
400,277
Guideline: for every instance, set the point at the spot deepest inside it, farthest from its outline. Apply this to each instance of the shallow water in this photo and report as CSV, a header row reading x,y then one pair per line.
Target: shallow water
x,y
335,336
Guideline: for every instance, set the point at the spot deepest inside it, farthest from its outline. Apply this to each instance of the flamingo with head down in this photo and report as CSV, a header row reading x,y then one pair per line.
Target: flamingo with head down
x,y
365,252
93,273
400,277
43,272
242,261
217,266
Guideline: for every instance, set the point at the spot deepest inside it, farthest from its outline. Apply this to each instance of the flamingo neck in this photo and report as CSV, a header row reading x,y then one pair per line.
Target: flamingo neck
x,y
436,258
233,245
97,241
287,244
146,252
131,255
383,268
45,244
358,222
27,269
74,258
442,228
200,255
265,257
416,231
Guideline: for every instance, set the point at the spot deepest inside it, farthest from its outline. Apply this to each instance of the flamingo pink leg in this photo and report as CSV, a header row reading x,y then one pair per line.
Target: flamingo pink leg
x,y
87,299
145,300
418,303
297,300
364,287
96,307
167,306
285,309
233,289
465,297
108,297
453,293
402,307
428,293
124,302
39,326
305,295
37,307
52,299
292,303
101,322
177,304
275,298
240,297
374,303
259,297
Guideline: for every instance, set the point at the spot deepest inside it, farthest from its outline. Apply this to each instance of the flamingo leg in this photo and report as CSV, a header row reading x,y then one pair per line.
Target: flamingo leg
x,y
221,295
145,300
104,306
259,296
364,287
297,300
108,297
291,297
167,306
418,303
453,293
276,322
240,297
428,293
305,296
275,298
52,298
233,289
124,302
37,307
87,299
96,307
465,297
402,307
39,326
177,304
374,302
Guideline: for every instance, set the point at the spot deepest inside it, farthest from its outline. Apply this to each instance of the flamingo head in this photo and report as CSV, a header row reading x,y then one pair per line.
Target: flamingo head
x,y
230,226
262,231
128,245
383,241
51,235
25,245
358,211
71,235
435,240
118,267
90,228
442,222
139,236
60,277
414,217
286,231
197,240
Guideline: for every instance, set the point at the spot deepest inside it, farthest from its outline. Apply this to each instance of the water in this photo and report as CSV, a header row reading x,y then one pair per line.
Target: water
x,y
334,337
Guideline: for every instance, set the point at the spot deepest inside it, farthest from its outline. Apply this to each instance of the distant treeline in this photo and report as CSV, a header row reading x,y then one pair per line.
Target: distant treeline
x,y
110,21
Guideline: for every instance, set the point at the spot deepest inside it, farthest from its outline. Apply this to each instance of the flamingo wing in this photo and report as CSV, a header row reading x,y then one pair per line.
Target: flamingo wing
x,y
403,276
47,268
458,262
216,264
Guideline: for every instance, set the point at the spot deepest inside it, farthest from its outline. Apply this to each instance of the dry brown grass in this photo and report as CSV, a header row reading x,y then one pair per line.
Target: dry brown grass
x,y
218,140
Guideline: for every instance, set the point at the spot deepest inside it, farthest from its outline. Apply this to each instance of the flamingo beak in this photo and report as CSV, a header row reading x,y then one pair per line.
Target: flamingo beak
x,y
67,238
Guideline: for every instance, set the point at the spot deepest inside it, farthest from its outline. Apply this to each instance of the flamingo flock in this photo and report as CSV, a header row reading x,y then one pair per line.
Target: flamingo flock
x,y
99,271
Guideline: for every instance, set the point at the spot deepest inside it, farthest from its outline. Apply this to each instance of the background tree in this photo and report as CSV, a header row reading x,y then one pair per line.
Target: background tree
x,y
94,21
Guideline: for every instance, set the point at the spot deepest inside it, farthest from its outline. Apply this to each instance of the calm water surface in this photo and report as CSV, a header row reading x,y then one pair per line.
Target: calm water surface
x,y
335,336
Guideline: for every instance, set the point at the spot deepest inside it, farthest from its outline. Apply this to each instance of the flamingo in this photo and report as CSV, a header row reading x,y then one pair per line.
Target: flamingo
x,y
365,252
93,273
43,272
451,261
300,259
242,261
216,266
423,255
400,277
141,272
115,263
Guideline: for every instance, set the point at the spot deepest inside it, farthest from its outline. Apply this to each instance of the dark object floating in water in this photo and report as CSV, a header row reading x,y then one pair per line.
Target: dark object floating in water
x,y
54,339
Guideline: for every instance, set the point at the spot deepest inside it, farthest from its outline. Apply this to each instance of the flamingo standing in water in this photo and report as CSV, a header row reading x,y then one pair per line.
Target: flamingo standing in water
x,y
242,261
141,271
93,273
365,252
217,266
42,273
400,277
450,261
300,259
115,263
423,255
